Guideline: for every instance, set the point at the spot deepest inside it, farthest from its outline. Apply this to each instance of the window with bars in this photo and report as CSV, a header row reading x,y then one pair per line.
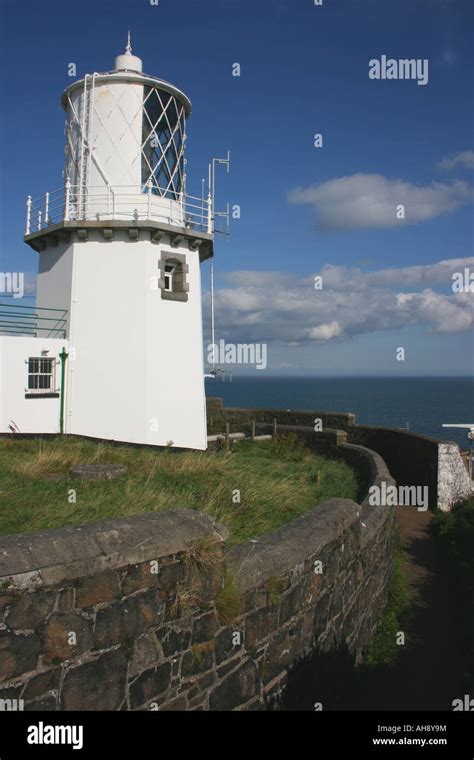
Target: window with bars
x,y
41,376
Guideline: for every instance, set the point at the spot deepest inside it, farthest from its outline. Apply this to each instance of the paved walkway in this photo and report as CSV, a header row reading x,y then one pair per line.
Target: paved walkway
x,y
427,673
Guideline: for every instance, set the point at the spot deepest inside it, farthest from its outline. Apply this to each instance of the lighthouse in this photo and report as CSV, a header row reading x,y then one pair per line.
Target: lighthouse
x,y
116,350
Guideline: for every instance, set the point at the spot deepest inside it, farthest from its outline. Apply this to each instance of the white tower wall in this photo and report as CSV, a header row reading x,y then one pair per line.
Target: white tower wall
x,y
136,370
54,281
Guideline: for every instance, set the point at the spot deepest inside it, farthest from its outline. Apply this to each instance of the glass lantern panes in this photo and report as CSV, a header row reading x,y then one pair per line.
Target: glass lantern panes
x,y
163,143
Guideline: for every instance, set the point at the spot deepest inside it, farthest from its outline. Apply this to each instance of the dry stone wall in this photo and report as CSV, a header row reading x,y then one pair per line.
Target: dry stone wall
x,y
154,612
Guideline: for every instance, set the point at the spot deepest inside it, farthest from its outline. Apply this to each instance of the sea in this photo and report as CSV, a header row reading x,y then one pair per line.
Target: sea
x,y
421,404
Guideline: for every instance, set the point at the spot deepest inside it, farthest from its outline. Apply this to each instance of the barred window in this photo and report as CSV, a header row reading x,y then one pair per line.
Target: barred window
x,y
41,371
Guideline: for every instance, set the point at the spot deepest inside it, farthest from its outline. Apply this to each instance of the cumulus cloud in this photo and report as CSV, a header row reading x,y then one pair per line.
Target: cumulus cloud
x,y
325,331
465,159
337,277
371,200
286,309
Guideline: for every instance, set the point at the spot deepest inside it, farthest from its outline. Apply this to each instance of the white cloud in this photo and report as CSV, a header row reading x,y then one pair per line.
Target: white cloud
x,y
338,277
325,331
286,309
371,201
464,159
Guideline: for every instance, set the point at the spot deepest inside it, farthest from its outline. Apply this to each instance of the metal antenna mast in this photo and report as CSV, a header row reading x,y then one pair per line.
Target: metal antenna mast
x,y
213,324
212,214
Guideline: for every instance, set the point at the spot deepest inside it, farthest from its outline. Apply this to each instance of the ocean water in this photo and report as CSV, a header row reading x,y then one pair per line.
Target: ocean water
x,y
423,404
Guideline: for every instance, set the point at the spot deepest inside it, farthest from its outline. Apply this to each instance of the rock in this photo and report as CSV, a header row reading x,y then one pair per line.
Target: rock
x,y
176,705
204,628
30,609
96,685
260,624
66,635
146,653
18,654
55,477
236,689
102,587
149,685
44,704
128,619
42,683
65,600
198,660
98,471
139,577
174,641
225,646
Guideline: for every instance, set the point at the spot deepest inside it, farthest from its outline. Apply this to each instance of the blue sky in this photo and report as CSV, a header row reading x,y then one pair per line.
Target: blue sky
x,y
304,210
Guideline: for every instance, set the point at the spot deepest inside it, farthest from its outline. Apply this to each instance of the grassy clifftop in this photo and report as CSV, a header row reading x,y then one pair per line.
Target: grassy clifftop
x,y
251,490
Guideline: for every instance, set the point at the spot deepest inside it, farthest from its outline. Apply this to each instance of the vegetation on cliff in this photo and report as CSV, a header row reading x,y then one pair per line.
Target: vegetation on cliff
x,y
251,489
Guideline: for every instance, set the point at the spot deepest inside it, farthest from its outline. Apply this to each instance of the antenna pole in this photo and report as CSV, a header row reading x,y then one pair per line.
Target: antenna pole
x,y
213,326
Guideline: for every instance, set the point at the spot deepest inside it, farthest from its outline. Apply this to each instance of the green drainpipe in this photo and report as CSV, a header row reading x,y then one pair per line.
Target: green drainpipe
x,y
63,356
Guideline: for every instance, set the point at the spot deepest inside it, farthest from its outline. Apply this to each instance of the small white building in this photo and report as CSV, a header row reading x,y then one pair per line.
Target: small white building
x,y
114,347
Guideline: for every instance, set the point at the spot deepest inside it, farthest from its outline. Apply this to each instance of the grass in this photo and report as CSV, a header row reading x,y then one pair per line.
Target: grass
x,y
278,480
229,600
454,532
383,648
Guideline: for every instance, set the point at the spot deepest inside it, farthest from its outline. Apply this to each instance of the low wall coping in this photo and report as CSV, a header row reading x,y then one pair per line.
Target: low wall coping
x,y
290,545
51,556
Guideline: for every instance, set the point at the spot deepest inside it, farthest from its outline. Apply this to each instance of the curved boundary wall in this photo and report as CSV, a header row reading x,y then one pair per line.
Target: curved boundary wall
x,y
154,612
413,459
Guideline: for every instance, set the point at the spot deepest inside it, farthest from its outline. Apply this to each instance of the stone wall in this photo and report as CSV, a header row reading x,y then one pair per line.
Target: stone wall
x,y
220,414
413,459
454,482
153,612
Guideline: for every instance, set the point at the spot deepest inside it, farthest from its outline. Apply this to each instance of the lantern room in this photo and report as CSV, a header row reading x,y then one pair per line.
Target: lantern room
x,y
125,145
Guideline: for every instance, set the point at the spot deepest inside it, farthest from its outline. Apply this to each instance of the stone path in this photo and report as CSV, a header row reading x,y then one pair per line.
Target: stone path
x,y
428,672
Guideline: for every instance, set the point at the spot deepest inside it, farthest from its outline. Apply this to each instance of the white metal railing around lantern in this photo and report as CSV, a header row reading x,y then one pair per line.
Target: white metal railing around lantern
x,y
107,202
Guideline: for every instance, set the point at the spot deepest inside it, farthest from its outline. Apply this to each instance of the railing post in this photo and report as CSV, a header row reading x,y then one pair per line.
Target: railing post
x,y
149,188
39,219
28,215
209,214
46,209
66,201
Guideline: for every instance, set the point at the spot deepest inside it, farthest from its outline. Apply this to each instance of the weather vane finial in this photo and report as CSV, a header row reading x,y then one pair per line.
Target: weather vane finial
x,y
128,49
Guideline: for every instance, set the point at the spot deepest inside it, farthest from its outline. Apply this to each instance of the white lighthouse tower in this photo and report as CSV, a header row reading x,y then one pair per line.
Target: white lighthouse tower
x,y
120,248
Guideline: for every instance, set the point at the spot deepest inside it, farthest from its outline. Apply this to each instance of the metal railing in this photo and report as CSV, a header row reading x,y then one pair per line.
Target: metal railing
x,y
113,202
32,321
